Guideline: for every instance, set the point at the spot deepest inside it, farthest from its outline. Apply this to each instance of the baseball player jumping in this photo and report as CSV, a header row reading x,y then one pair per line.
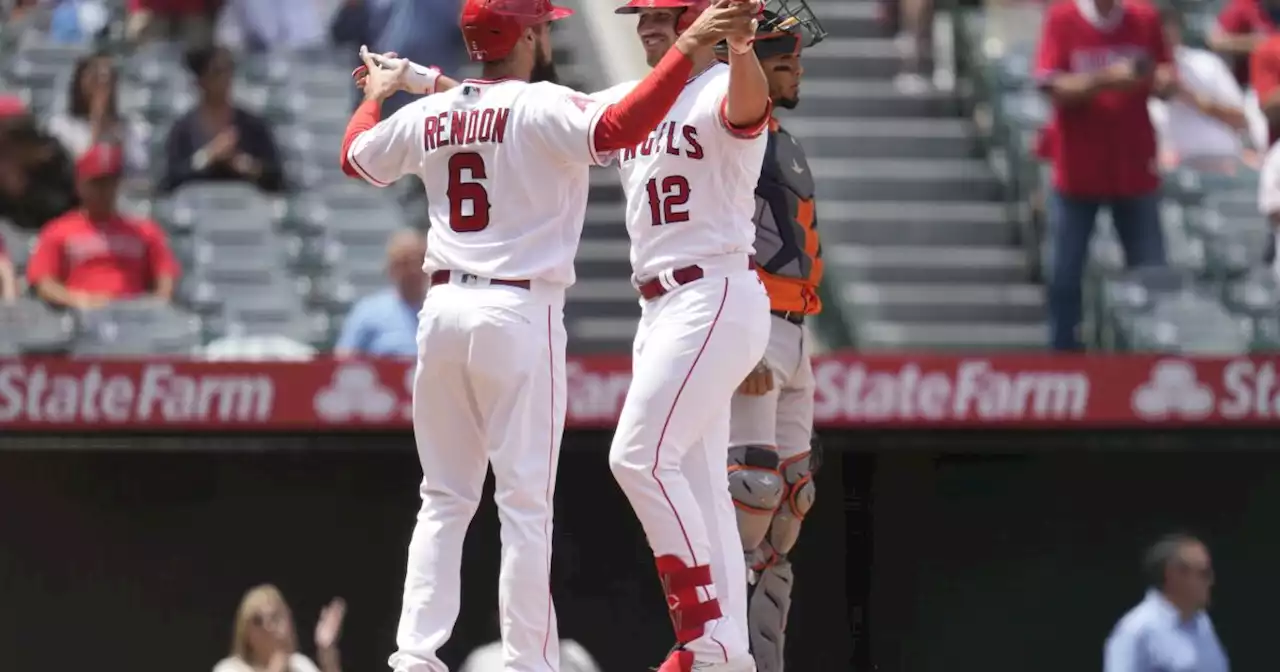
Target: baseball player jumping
x,y
505,166
704,325
772,414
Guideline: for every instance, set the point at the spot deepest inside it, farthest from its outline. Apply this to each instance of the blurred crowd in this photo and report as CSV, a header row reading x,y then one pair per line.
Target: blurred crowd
x,y
82,172
1148,126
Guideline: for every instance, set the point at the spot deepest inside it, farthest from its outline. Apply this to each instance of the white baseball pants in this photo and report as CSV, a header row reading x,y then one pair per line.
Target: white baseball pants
x,y
693,348
489,390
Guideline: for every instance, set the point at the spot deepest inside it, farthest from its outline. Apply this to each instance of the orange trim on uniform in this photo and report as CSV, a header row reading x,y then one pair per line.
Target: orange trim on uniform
x,y
793,295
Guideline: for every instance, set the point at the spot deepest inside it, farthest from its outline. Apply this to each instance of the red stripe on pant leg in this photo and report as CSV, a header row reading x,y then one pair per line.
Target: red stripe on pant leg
x,y
658,451
551,456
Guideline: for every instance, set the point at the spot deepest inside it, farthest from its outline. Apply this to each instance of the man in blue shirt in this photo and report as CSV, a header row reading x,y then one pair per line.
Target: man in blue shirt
x,y
1170,631
385,324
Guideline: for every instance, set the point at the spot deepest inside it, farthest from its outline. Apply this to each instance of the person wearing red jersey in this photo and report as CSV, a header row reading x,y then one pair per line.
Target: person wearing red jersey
x,y
1099,61
1242,26
1264,71
94,255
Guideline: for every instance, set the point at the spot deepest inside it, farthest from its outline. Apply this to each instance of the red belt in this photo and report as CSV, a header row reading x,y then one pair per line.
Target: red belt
x,y
442,277
652,289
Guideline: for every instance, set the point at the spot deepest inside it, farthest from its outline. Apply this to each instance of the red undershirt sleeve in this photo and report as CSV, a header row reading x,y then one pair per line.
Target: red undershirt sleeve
x,y
366,116
629,121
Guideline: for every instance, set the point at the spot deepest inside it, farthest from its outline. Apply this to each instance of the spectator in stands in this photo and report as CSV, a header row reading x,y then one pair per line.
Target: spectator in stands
x,y
77,22
1170,628
264,639
217,141
1264,70
36,179
916,45
187,21
92,116
24,17
423,32
1269,201
89,257
1242,26
385,324
279,25
1203,124
8,281
1099,61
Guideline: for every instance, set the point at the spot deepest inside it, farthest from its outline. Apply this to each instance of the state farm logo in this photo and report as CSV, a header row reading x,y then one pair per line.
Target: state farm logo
x,y
1173,390
158,393
355,393
967,389
595,396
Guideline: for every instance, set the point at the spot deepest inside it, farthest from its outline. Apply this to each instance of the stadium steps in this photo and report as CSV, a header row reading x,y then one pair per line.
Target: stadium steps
x,y
920,248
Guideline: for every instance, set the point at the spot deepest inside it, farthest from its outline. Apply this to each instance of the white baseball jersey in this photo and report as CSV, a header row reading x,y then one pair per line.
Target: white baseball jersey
x,y
504,164
691,186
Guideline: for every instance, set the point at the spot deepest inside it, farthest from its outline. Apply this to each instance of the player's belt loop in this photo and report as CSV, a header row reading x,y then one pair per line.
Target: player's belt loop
x,y
667,279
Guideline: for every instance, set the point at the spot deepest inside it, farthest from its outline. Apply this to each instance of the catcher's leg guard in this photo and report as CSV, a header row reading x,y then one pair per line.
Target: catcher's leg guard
x,y
799,499
770,600
767,615
758,489
689,614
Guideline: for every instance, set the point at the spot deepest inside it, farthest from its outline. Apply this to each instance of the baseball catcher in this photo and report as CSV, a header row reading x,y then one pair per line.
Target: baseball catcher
x,y
771,461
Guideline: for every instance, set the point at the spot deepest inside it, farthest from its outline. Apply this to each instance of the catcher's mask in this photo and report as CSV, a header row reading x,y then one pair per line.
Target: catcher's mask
x,y
785,27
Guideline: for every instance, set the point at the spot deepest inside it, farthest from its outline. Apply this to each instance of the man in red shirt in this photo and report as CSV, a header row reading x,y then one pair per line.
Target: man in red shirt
x,y
94,255
1264,72
1099,61
1242,26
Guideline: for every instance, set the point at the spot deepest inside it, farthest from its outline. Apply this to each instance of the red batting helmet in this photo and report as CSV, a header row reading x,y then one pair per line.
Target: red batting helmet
x,y
491,28
692,8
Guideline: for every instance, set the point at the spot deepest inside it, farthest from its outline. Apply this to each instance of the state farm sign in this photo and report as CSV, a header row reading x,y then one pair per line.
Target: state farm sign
x,y
852,391
1177,389
150,393
953,390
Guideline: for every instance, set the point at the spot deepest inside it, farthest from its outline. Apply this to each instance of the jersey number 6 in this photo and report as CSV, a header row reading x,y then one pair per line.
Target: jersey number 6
x,y
463,191
667,203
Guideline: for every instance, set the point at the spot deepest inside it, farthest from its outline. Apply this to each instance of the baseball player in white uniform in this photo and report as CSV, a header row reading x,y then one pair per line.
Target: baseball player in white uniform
x,y
704,325
505,164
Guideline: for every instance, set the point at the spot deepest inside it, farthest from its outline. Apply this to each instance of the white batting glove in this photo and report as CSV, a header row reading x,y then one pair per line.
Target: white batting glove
x,y
418,79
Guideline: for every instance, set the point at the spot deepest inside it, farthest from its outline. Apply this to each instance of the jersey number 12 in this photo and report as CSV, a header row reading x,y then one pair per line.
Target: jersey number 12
x,y
667,200
466,191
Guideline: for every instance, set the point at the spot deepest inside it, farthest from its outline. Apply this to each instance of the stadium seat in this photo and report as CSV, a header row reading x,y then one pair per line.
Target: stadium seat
x,y
1230,251
157,65
247,348
220,206
30,326
1188,322
137,327
17,242
282,317
1254,299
